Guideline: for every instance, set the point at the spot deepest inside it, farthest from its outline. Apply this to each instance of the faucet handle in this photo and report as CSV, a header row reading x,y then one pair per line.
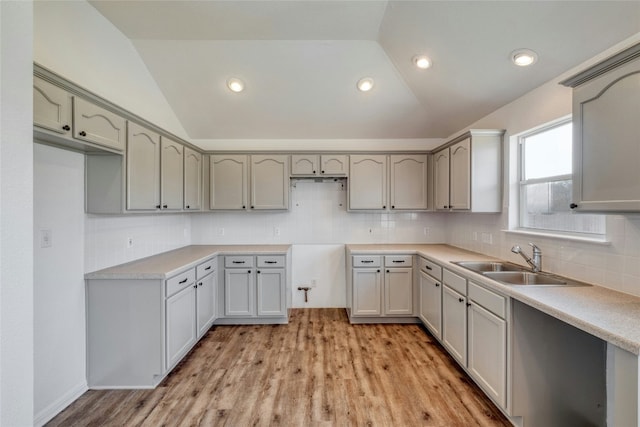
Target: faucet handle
x,y
535,248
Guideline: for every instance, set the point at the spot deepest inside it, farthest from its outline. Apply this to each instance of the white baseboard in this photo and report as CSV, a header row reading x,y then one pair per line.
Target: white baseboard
x,y
58,405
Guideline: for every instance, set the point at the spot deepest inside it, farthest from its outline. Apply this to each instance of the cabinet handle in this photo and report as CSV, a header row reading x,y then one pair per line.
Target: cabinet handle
x,y
428,268
83,133
165,206
366,261
157,206
208,268
195,286
398,261
183,281
450,206
437,285
66,127
271,262
468,304
237,262
445,206
573,206
461,299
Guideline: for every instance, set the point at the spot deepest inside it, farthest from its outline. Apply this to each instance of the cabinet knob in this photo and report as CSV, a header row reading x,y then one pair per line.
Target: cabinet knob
x,y
195,286
321,171
188,206
252,207
461,299
66,127
165,206
393,207
244,207
573,206
314,171
249,271
437,285
83,133
157,206
468,304
387,270
258,271
450,206
378,271
384,207
445,206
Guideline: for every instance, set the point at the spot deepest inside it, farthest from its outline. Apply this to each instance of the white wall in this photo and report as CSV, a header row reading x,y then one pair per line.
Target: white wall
x,y
59,314
616,266
317,225
72,39
16,215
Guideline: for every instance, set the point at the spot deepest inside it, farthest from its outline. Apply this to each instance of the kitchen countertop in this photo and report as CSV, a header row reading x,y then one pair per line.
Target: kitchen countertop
x,y
168,264
605,313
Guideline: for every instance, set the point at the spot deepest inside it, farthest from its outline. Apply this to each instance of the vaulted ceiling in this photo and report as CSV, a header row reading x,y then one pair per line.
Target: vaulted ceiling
x,y
300,60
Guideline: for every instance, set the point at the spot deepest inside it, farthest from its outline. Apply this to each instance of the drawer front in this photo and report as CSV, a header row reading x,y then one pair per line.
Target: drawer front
x,y
240,261
493,302
454,281
271,261
398,260
180,281
205,268
367,261
431,268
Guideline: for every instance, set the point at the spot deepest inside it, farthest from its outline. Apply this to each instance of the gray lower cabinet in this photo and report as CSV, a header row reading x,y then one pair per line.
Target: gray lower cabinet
x,y
380,286
254,289
454,324
139,329
430,311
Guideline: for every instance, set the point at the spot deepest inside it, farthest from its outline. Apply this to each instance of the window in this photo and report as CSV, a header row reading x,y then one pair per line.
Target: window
x,y
545,184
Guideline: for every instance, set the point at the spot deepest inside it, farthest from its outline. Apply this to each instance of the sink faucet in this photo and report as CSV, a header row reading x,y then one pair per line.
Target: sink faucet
x,y
535,262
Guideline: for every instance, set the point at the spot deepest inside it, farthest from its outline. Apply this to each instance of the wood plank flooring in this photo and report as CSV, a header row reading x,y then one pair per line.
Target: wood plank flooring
x,y
316,371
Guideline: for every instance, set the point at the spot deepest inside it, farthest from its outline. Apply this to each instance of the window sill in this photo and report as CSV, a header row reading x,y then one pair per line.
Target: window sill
x,y
569,237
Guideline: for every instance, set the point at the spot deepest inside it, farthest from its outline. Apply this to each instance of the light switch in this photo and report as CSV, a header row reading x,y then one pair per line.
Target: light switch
x,y
46,238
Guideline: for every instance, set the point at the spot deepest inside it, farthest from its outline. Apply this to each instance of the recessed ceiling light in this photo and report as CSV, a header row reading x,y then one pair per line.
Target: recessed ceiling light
x,y
524,57
365,84
421,61
235,85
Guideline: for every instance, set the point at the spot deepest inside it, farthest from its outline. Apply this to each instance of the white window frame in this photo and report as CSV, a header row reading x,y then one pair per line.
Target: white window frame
x,y
522,184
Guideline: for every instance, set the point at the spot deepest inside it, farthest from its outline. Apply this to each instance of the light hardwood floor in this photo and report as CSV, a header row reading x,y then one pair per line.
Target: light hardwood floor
x,y
316,371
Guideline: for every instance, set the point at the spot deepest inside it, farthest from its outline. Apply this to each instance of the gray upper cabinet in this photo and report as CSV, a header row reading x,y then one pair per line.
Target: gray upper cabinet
x,y
143,168
51,107
367,181
408,182
319,165
229,175
269,182
98,125
172,175
606,125
192,180
468,173
265,178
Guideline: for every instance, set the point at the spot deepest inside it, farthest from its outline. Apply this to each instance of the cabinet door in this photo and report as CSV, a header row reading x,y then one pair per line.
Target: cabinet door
x,y
51,107
172,170
239,293
270,182
367,182
143,168
441,176
431,303
460,173
181,324
605,141
305,164
367,292
206,302
271,292
408,182
95,124
398,291
229,176
192,180
454,324
334,165
488,352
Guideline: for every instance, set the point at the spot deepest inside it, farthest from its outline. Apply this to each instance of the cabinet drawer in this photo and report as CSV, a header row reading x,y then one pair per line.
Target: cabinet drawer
x,y
271,261
431,268
180,281
454,281
398,260
205,268
490,300
238,261
367,261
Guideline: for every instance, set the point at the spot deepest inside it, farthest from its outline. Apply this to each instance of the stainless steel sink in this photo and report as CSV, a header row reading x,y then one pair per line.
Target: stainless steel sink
x,y
523,278
487,266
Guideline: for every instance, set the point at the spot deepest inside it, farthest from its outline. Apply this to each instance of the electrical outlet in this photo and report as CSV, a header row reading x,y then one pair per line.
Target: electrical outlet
x,y
487,238
426,231
474,236
276,231
129,242
220,231
46,238
314,283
